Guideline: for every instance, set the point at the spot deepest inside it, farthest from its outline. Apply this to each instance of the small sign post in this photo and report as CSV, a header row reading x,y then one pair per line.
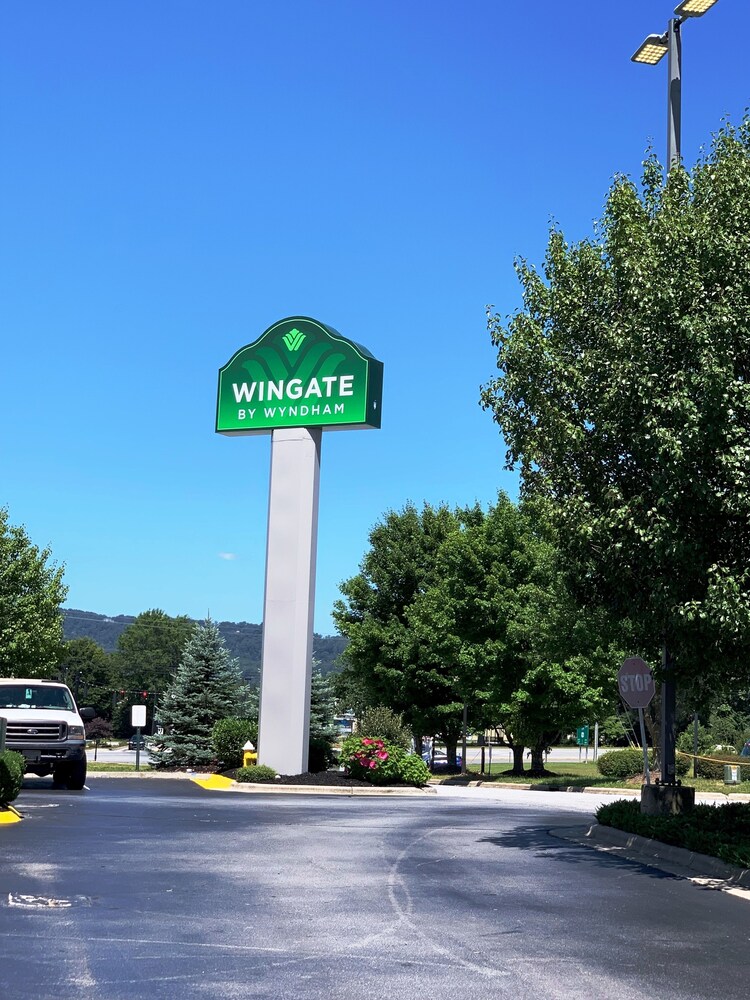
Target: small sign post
x,y
138,719
582,740
636,684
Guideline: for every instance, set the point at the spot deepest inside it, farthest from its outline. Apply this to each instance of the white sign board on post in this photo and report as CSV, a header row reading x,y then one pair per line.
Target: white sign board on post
x,y
636,684
137,716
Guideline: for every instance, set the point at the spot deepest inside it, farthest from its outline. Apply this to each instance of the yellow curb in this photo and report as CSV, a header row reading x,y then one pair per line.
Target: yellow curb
x,y
214,781
9,815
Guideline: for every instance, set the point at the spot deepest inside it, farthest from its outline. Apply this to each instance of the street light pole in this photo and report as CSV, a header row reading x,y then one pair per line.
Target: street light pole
x,y
650,52
674,92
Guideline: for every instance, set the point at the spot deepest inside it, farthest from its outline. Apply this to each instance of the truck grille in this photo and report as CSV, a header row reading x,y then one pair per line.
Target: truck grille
x,y
41,732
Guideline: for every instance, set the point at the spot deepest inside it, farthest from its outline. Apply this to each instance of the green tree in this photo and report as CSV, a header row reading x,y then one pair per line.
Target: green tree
x,y
624,398
381,664
31,593
86,669
206,687
513,645
323,730
149,651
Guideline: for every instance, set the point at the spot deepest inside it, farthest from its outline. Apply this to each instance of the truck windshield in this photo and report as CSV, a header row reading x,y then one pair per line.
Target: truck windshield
x,y
35,696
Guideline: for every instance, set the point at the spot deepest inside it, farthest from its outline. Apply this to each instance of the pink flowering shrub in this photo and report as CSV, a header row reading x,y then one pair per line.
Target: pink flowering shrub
x,y
380,762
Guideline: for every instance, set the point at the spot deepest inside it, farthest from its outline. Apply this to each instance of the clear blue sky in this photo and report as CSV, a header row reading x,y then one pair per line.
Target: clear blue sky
x,y
177,175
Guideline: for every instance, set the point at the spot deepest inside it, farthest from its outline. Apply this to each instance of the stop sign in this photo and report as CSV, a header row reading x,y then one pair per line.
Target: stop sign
x,y
636,682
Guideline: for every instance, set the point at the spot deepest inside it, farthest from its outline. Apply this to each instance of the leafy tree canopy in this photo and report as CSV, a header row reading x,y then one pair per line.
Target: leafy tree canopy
x,y
31,592
149,650
381,667
511,642
624,397
87,670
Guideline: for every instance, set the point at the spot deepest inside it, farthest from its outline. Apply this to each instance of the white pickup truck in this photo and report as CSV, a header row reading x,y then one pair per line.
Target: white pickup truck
x,y
44,724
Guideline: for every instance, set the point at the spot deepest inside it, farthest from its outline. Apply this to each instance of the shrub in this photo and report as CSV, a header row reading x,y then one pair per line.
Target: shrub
x,y
721,831
12,766
370,759
623,763
413,770
98,729
258,772
320,755
382,763
384,724
229,736
714,769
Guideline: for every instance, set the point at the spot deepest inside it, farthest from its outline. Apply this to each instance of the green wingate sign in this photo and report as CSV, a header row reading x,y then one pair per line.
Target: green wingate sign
x,y
299,373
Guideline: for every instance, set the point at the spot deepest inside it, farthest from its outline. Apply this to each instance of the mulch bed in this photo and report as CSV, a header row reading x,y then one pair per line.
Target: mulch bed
x,y
335,779
330,778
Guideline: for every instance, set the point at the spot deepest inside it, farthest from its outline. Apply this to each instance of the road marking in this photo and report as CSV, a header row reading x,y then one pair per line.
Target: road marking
x,y
214,781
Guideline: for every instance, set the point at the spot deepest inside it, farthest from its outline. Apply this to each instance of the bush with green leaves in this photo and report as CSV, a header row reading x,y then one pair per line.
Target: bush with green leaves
x,y
384,724
413,770
12,767
255,773
320,754
721,831
713,769
628,763
382,763
229,736
624,763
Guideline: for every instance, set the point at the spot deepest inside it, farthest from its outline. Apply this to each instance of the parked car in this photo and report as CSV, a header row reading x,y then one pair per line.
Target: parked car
x,y
135,742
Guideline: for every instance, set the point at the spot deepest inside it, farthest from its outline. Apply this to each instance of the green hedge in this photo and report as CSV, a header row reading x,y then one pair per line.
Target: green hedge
x,y
12,767
629,762
258,772
623,763
229,736
714,769
720,831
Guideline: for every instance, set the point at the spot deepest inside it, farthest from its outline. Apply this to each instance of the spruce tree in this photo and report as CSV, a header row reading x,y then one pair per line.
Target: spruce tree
x,y
323,730
207,686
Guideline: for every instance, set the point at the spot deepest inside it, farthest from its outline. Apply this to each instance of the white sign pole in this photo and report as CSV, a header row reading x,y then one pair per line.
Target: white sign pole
x,y
646,771
283,733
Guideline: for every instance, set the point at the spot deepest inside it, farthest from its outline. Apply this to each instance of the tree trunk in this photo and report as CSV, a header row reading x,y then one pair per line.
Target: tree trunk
x,y
518,760
537,760
451,747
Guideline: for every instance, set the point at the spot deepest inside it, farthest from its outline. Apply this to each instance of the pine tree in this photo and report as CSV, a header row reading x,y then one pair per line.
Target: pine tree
x,y
207,686
323,730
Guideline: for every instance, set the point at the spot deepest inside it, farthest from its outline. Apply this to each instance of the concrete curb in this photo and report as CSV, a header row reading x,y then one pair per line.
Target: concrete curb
x,y
666,857
623,792
264,787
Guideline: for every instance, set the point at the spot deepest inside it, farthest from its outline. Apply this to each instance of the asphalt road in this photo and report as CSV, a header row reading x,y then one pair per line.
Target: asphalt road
x,y
164,890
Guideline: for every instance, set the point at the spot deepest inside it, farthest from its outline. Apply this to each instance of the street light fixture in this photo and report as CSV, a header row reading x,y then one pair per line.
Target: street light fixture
x,y
650,52
693,8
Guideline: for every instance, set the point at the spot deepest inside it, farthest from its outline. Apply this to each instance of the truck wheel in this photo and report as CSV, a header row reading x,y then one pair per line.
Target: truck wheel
x,y
76,775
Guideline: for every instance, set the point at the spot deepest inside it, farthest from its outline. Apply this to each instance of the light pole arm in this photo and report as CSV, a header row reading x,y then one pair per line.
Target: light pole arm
x,y
674,92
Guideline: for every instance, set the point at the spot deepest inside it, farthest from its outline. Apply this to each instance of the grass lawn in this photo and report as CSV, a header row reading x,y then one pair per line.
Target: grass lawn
x,y
96,765
586,775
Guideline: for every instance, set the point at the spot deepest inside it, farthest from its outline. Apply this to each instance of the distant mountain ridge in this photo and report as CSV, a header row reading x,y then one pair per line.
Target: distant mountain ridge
x,y
243,639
